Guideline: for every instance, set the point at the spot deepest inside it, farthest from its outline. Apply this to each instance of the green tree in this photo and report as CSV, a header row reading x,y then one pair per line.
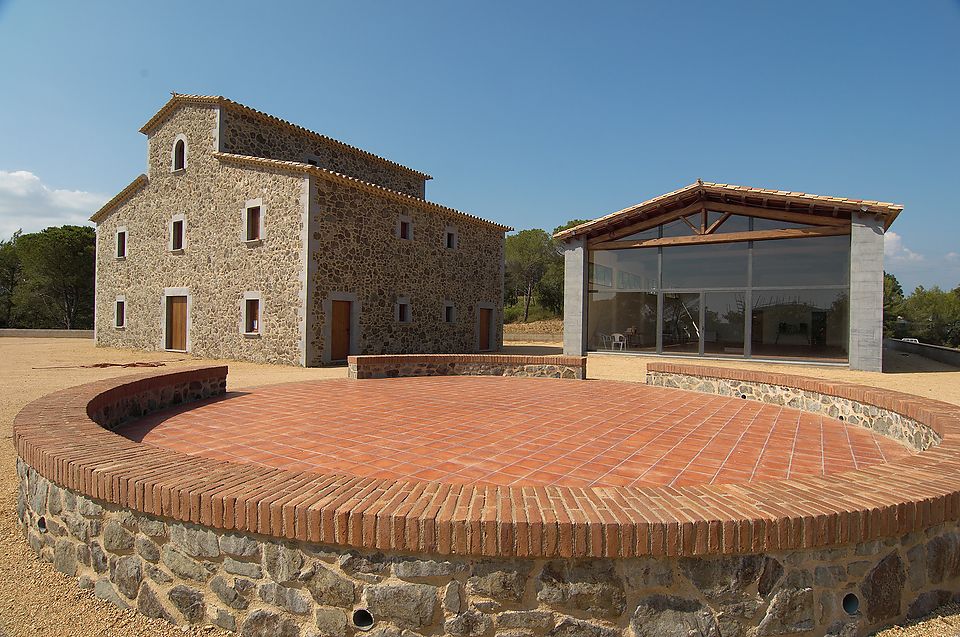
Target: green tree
x,y
549,292
934,316
10,271
892,304
57,287
528,255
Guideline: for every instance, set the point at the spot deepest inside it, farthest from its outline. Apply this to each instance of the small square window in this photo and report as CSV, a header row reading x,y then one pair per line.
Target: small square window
x,y
121,244
121,313
176,238
253,223
449,313
251,316
405,230
450,239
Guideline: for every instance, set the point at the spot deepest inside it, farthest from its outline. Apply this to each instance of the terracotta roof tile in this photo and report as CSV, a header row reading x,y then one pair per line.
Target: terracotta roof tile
x,y
890,210
309,169
120,197
178,99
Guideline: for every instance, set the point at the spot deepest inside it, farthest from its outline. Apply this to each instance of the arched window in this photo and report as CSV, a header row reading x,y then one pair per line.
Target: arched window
x,y
179,153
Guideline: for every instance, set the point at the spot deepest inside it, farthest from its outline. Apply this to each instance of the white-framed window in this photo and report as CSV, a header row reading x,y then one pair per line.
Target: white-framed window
x,y
252,320
253,214
120,313
177,233
449,312
121,242
404,229
402,312
178,154
451,239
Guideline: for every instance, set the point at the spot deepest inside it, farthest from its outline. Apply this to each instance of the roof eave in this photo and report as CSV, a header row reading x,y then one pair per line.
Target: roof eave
x,y
308,169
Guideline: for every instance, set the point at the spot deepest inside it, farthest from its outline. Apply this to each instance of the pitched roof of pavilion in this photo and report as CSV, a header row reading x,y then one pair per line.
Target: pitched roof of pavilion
x,y
746,196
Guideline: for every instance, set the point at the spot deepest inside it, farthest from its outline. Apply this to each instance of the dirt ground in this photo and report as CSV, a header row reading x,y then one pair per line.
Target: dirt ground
x,y
36,600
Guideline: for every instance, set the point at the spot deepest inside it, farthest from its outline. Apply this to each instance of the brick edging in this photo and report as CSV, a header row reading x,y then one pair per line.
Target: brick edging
x,y
56,436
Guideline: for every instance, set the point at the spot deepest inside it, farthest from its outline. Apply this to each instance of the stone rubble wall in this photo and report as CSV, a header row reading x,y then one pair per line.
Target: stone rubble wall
x,y
354,249
247,134
262,587
571,367
888,423
216,265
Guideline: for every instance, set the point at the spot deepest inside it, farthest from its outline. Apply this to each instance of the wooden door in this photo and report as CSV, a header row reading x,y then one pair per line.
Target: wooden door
x,y
340,331
177,322
486,324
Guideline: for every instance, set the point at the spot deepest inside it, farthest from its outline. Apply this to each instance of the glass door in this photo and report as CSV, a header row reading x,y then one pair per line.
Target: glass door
x,y
681,323
723,323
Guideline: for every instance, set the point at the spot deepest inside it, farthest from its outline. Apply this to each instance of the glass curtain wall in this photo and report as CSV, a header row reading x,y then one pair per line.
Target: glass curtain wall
x,y
784,298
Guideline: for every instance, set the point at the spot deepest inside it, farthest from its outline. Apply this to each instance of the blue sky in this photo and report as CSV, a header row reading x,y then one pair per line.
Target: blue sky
x,y
526,113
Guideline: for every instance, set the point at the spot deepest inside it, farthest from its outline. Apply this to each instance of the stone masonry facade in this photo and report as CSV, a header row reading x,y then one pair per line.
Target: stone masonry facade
x,y
328,233
264,587
568,367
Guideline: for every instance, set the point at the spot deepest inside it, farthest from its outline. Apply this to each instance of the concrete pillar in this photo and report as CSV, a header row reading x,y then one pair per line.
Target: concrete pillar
x,y
575,297
866,293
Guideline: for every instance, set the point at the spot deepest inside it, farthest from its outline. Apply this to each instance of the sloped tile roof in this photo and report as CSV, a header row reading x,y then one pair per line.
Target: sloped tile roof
x,y
308,169
178,99
120,197
890,210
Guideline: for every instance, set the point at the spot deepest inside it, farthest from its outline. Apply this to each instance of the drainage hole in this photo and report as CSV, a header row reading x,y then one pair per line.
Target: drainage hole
x,y
744,396
42,524
362,619
839,417
851,603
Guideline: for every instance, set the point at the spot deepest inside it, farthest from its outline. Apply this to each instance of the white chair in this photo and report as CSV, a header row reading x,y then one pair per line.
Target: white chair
x,y
606,341
618,340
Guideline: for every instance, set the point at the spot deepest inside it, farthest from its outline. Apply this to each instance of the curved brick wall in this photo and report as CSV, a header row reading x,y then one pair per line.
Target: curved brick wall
x,y
396,366
270,552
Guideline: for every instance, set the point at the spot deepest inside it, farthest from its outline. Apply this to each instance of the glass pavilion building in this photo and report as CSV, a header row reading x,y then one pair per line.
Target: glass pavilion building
x,y
722,271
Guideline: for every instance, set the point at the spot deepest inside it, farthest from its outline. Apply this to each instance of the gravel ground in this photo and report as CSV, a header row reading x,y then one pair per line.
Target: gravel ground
x,y
36,600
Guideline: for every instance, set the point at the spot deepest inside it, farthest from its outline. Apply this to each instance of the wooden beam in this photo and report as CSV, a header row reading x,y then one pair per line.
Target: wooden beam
x,y
695,229
729,237
778,215
703,220
646,224
719,222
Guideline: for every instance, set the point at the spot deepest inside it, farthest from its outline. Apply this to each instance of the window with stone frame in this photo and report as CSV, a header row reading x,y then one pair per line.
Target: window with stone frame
x,y
121,243
120,313
402,312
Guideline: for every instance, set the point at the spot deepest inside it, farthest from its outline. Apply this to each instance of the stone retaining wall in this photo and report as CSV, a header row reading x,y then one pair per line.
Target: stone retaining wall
x,y
574,367
271,552
884,421
264,587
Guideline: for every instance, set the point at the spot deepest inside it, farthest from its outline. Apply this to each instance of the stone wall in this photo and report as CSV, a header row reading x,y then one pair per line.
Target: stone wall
x,y
216,266
884,421
354,249
263,587
245,133
467,365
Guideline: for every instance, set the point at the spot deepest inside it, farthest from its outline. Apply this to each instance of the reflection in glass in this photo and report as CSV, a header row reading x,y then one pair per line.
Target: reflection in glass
x,y
800,324
807,261
623,269
622,321
723,323
681,323
711,265
643,235
680,228
733,223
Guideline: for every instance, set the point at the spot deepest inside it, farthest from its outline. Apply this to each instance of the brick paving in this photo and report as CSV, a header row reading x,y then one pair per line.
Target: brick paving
x,y
515,432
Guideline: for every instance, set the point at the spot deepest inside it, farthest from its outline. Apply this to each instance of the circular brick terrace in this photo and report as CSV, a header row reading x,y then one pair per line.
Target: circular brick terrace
x,y
511,431
63,437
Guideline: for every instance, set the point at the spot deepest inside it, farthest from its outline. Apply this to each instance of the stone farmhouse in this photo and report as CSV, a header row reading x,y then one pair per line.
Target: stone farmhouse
x,y
252,238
